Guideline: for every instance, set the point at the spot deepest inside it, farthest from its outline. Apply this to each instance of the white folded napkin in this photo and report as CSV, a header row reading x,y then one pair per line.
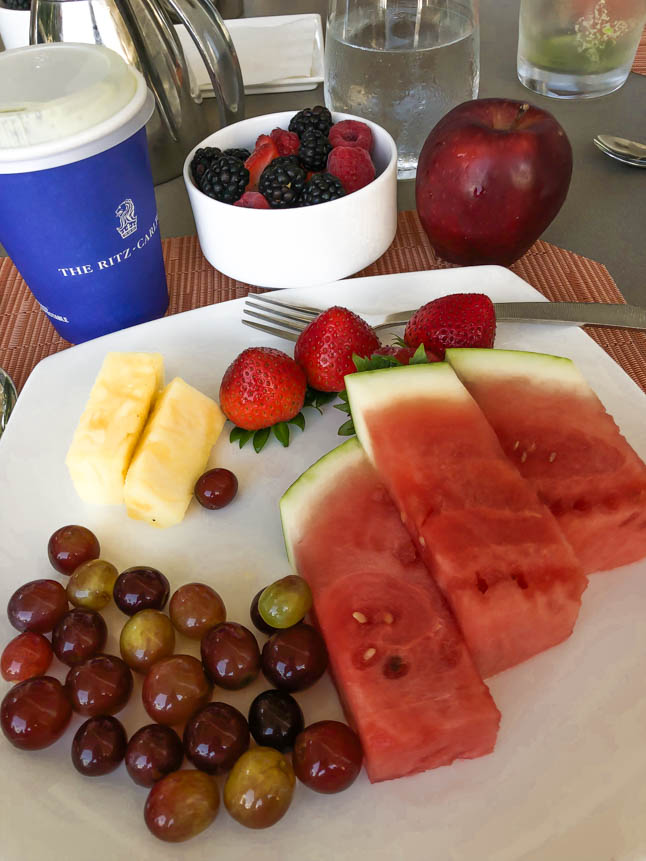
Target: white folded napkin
x,y
273,51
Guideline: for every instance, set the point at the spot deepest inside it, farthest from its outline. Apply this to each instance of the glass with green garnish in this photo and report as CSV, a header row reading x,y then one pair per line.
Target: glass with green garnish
x,y
578,49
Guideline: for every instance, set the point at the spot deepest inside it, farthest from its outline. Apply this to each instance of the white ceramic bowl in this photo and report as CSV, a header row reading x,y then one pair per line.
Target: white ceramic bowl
x,y
304,246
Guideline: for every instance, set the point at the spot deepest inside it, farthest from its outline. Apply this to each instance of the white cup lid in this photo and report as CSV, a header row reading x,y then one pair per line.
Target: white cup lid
x,y
58,98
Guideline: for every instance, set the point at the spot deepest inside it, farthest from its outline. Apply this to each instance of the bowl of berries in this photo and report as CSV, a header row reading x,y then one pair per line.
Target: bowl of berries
x,y
294,200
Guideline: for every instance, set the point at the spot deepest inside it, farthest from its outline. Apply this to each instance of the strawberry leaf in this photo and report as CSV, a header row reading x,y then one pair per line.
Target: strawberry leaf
x,y
281,432
398,341
298,420
345,408
240,435
260,437
347,429
419,357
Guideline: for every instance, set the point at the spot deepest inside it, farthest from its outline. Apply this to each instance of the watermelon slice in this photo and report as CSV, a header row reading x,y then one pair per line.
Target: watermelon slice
x,y
494,550
556,431
403,672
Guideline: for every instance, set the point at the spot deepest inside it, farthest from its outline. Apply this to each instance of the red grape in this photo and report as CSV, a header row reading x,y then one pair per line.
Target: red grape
x,y
27,655
100,685
327,756
153,752
141,588
195,608
216,488
256,618
79,635
215,737
230,655
37,606
181,805
35,713
295,658
174,688
70,546
275,719
99,745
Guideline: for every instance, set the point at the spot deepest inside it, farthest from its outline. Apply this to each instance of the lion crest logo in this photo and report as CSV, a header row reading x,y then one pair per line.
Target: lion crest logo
x,y
125,212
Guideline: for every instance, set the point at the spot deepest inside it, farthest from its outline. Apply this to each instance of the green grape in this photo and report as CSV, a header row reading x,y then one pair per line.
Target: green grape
x,y
285,602
259,787
91,584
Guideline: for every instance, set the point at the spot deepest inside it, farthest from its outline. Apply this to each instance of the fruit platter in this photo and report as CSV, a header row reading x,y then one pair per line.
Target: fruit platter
x,y
565,778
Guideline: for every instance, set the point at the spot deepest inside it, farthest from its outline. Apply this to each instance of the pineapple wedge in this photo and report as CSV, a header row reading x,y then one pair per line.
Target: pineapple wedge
x,y
114,417
171,455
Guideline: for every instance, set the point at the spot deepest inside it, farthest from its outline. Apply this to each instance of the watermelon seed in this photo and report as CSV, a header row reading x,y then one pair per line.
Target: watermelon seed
x,y
359,617
395,667
481,584
368,654
516,444
422,541
523,457
388,618
532,448
552,457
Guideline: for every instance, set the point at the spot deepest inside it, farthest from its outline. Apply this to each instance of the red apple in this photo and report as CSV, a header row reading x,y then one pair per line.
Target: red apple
x,y
491,176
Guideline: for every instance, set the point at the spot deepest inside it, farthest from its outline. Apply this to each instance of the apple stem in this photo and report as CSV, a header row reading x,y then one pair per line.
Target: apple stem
x,y
520,115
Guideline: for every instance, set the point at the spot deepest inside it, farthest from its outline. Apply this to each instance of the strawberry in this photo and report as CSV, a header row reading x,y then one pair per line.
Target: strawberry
x,y
458,320
262,387
325,348
265,152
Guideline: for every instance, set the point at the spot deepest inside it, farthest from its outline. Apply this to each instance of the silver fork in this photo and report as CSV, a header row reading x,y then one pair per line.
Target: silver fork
x,y
292,318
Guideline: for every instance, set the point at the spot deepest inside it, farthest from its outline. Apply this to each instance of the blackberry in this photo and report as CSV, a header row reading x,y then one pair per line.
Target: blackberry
x,y
318,118
314,149
282,184
225,180
242,154
203,159
321,188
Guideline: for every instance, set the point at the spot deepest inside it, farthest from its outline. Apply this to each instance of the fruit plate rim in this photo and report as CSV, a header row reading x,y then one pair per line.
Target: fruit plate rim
x,y
568,764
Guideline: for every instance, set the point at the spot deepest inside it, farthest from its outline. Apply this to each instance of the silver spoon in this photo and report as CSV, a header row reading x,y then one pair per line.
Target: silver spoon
x,y
626,151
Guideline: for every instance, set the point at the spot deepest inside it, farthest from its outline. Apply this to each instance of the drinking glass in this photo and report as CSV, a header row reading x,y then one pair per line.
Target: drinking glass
x,y
402,64
578,49
7,398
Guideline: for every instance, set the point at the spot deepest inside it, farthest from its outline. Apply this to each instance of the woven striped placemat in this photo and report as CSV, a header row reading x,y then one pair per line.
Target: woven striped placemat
x,y
639,65
26,335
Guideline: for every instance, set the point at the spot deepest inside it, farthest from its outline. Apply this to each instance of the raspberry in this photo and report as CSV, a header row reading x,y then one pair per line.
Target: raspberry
x,y
351,133
286,142
252,200
352,165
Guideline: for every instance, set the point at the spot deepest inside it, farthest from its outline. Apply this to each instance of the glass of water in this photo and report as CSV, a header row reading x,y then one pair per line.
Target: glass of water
x,y
402,64
578,49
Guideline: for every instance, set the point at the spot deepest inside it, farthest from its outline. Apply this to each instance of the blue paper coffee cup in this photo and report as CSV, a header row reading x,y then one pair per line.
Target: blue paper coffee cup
x,y
78,215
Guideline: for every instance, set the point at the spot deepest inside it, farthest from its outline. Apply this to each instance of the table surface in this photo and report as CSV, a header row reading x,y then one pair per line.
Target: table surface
x,y
605,213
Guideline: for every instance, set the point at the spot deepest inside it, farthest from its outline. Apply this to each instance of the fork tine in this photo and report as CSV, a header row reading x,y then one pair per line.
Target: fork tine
x,y
269,330
292,327
284,315
302,308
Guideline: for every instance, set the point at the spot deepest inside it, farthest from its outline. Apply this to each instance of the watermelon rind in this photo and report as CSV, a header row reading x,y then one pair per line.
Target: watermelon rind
x,y
297,501
473,363
371,390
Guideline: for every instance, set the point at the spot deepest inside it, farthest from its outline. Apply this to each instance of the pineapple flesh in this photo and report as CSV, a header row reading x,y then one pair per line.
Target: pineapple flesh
x,y
111,424
172,453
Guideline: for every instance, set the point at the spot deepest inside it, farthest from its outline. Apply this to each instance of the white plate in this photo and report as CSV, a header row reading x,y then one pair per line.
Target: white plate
x,y
567,781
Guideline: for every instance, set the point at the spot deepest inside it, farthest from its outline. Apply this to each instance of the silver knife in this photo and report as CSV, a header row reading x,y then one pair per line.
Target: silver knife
x,y
574,313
